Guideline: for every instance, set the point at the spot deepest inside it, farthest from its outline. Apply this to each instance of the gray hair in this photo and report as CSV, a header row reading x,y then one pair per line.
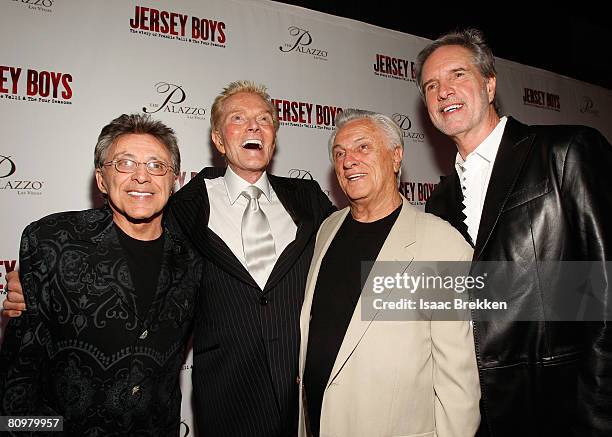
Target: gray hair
x,y
470,39
240,86
390,129
136,124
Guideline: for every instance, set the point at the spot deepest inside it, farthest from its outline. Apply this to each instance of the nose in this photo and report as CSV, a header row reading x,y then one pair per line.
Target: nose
x,y
350,159
445,90
253,125
141,175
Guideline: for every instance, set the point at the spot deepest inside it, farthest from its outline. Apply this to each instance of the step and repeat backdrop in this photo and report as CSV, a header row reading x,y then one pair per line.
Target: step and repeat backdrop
x,y
68,67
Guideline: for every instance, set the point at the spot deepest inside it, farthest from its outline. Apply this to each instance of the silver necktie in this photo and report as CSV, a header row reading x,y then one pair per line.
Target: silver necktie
x,y
257,239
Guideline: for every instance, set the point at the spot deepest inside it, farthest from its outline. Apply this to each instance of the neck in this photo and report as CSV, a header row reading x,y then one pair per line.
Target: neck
x,y
368,211
250,176
140,230
467,142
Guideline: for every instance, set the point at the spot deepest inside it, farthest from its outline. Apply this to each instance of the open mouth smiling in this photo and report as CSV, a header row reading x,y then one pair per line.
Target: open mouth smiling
x,y
252,144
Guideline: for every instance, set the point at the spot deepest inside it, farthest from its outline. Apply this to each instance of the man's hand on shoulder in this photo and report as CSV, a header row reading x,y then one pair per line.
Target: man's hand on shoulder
x,y
14,304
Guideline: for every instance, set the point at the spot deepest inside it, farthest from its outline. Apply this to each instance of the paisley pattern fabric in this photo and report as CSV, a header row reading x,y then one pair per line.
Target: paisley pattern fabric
x,y
80,350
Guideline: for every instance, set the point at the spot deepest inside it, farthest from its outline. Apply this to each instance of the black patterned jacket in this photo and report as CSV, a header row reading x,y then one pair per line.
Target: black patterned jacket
x,y
81,351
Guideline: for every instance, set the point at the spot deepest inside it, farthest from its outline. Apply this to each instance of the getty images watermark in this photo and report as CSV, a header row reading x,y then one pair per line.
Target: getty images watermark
x,y
508,291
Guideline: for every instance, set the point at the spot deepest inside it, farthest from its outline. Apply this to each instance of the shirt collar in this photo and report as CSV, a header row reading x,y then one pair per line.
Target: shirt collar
x,y
486,150
235,185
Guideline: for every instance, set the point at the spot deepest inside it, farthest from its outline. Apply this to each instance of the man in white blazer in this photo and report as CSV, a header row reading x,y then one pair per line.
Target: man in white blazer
x,y
360,375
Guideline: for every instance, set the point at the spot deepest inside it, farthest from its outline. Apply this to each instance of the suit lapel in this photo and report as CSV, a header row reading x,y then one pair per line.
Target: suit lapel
x,y
399,246
191,209
294,204
513,149
108,268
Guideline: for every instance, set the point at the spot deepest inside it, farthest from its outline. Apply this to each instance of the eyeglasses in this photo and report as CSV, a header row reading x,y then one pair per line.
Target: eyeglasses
x,y
154,168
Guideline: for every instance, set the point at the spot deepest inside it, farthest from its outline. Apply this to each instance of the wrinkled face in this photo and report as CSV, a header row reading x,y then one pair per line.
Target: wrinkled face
x,y
137,197
458,97
365,165
246,135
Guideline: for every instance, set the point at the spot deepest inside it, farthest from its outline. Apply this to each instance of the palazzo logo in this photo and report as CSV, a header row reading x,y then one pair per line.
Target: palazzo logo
x,y
38,86
38,5
396,68
20,186
176,26
7,166
300,43
171,98
298,173
416,193
542,99
405,125
588,107
306,114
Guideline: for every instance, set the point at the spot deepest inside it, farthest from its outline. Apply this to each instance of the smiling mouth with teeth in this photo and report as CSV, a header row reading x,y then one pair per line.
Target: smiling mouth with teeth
x,y
139,194
355,176
452,108
252,145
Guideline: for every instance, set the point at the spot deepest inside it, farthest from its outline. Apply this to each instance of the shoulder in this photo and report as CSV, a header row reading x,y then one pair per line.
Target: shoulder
x,y
86,220
440,239
295,183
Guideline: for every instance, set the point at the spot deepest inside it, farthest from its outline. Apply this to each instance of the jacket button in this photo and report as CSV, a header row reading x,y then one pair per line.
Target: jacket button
x,y
144,334
263,300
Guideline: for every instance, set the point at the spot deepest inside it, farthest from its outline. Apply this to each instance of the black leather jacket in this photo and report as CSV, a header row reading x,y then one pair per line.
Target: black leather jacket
x,y
549,199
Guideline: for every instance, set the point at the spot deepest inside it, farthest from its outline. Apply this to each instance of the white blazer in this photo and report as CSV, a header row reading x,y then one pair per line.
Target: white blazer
x,y
406,378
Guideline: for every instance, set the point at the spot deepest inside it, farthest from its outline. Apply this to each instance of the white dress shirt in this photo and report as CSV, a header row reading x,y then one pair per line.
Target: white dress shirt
x,y
474,174
227,207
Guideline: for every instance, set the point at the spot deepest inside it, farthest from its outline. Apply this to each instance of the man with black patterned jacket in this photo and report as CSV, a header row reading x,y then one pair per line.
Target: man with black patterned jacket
x,y
110,298
530,196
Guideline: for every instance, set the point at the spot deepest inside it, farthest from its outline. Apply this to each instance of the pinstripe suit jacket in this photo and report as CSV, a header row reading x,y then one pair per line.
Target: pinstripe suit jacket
x,y
246,340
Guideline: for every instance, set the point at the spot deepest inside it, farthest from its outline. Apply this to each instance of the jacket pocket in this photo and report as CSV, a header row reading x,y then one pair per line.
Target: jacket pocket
x,y
206,349
527,194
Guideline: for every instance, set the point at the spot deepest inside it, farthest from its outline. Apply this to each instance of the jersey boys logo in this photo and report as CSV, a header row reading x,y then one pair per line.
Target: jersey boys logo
x,y
177,26
405,125
542,99
416,193
396,68
306,114
32,85
8,266
38,5
172,100
300,42
7,166
184,177
19,185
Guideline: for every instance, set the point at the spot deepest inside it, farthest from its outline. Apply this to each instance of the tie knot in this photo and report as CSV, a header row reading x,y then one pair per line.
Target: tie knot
x,y
252,192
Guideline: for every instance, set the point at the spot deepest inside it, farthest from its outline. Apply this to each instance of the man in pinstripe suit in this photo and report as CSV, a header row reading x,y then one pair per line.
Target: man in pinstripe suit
x,y
246,337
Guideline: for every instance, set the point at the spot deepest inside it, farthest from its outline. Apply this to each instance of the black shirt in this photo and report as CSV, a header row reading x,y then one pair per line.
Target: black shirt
x,y
336,294
144,261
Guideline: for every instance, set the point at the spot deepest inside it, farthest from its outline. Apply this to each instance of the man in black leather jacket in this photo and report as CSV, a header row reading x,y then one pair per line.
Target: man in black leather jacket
x,y
530,195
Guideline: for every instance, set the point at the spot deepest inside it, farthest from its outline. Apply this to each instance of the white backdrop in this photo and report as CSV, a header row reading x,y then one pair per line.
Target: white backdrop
x,y
68,67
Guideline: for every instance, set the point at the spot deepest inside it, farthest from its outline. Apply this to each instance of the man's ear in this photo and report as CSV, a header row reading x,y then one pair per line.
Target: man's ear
x,y
398,155
100,181
491,87
217,140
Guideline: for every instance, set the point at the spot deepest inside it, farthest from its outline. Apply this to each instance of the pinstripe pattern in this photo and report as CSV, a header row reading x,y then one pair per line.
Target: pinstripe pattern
x,y
246,340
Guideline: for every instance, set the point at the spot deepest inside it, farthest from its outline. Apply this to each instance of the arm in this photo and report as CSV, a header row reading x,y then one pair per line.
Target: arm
x,y
22,356
588,204
455,372
14,303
